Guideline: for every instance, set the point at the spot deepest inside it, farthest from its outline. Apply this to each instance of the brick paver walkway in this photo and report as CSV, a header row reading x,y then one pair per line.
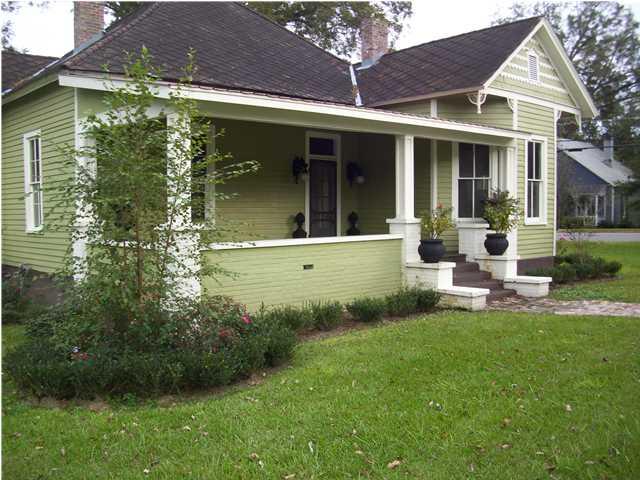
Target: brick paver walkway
x,y
566,307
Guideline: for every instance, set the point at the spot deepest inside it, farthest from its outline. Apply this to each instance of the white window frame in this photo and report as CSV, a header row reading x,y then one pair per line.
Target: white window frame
x,y
32,225
307,189
533,54
455,150
542,219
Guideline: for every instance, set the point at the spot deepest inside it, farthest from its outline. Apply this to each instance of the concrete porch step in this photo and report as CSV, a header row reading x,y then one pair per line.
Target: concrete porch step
x,y
470,276
488,284
455,259
466,267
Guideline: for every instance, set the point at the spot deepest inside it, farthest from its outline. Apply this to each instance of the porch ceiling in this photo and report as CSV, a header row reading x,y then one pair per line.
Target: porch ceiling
x,y
279,110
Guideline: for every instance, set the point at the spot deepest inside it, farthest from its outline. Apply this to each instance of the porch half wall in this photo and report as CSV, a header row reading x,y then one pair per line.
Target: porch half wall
x,y
277,275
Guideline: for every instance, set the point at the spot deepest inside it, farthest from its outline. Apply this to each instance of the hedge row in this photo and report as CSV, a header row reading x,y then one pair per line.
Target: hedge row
x,y
570,268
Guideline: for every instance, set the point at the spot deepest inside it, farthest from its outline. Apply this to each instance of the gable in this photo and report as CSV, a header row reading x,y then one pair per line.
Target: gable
x,y
514,76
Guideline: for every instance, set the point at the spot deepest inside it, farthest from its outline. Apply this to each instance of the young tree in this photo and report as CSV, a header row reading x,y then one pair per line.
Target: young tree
x,y
134,198
330,25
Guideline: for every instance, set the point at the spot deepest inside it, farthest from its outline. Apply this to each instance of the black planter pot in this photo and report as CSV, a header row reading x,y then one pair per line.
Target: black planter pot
x,y
431,251
496,243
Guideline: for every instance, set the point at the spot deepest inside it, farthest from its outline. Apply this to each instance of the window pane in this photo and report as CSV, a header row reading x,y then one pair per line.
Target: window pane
x,y
482,161
321,146
466,160
198,184
537,167
465,198
533,199
37,206
481,193
530,159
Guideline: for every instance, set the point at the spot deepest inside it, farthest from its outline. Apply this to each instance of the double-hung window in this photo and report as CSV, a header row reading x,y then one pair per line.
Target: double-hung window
x,y
33,182
473,180
535,181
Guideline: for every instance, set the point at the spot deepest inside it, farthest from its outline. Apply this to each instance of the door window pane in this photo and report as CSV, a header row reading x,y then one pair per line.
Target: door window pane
x,y
321,146
466,160
482,161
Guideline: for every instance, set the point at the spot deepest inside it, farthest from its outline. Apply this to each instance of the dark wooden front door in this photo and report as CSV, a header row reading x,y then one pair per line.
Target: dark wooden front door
x,y
322,198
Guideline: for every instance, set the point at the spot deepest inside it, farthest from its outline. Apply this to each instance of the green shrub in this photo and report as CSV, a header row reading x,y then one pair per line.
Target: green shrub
x,y
577,266
199,345
611,268
326,315
426,300
367,309
296,318
411,300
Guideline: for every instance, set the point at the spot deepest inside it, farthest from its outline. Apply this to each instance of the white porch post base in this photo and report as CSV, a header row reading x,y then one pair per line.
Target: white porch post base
x,y
187,251
467,298
533,287
410,230
430,275
499,266
471,238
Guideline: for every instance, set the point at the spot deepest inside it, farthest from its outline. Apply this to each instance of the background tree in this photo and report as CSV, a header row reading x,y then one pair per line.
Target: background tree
x,y
8,8
330,25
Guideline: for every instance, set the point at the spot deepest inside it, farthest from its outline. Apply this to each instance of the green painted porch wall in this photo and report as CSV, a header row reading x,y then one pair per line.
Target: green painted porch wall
x,y
537,240
266,202
495,111
51,110
275,275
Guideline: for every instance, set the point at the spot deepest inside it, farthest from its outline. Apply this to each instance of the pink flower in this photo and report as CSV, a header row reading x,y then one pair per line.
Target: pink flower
x,y
246,319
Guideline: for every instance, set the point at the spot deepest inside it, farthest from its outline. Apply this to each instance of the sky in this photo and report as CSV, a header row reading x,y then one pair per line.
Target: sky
x,y
49,31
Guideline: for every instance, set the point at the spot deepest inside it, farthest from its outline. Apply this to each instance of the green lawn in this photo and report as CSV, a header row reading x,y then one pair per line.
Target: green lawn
x,y
452,395
626,288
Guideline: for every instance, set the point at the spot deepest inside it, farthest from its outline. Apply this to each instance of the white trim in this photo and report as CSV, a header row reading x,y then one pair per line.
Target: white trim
x,y
556,117
354,84
434,173
404,179
210,187
289,242
539,83
455,169
534,100
164,89
522,68
542,219
336,137
29,226
433,107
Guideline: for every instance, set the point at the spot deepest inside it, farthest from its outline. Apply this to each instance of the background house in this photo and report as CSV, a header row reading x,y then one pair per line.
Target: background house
x,y
589,183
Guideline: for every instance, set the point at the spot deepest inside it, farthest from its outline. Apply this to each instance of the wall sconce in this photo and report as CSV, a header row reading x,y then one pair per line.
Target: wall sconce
x,y
300,169
353,222
354,174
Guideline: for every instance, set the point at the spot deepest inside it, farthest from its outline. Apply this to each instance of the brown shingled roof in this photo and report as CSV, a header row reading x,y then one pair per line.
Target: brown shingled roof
x,y
18,66
235,48
464,61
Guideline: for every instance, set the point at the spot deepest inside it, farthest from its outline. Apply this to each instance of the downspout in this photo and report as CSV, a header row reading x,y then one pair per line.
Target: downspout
x,y
354,87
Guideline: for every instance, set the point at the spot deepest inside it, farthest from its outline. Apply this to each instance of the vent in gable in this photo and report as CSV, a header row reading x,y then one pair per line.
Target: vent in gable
x,y
534,67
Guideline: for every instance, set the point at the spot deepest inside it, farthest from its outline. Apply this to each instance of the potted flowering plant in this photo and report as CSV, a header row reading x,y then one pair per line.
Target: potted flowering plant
x,y
433,224
502,213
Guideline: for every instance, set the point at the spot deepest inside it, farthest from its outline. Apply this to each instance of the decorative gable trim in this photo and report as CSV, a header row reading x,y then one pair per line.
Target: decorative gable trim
x,y
575,87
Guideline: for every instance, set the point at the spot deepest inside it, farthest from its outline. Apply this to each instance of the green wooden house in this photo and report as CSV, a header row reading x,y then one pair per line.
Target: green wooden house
x,y
444,122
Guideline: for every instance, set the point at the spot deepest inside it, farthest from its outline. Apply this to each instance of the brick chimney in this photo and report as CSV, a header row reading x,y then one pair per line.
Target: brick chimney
x,y
88,22
374,40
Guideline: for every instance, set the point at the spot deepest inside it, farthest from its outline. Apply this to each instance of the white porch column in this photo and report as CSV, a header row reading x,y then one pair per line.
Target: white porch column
x,y
511,172
186,246
84,214
405,222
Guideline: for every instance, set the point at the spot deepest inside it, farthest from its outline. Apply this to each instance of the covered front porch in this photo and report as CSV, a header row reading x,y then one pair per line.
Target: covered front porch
x,y
331,213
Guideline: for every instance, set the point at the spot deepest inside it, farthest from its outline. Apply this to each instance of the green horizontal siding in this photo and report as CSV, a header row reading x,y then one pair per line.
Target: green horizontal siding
x,y
537,240
495,111
51,110
275,275
445,171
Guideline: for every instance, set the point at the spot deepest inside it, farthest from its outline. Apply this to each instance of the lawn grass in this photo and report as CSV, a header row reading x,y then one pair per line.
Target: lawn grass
x,y
453,395
625,288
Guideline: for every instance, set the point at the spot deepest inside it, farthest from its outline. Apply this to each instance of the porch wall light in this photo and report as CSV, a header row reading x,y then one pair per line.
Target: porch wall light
x,y
355,174
300,169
